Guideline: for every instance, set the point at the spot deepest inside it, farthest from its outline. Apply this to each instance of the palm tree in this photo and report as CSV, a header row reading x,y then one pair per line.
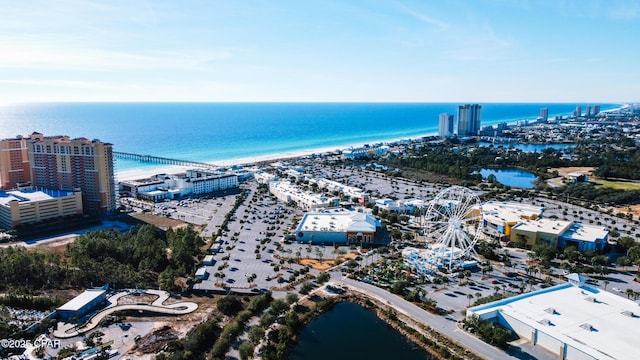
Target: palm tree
x,y
605,282
469,296
629,292
467,274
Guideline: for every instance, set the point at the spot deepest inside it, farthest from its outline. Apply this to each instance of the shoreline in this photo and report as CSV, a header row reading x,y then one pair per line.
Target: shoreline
x,y
434,342
140,172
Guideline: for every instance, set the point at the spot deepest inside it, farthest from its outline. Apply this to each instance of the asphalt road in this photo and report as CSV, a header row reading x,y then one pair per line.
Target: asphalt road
x,y
443,324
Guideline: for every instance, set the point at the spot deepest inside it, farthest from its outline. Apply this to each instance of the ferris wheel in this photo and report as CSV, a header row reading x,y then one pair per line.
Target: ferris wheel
x,y
453,226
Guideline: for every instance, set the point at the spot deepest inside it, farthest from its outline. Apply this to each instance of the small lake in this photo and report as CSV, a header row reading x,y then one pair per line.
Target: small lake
x,y
350,331
511,177
529,148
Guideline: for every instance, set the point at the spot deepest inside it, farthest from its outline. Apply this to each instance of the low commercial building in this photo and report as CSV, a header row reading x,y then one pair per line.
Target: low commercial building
x,y
164,186
340,226
405,206
559,234
264,177
330,185
82,304
500,217
572,320
286,191
584,237
540,231
577,177
21,207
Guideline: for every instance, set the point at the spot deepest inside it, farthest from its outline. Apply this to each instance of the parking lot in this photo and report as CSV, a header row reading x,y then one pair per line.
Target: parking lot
x,y
252,246
252,254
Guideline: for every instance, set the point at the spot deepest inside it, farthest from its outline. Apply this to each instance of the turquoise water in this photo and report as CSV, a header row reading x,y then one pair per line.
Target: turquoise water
x,y
224,131
350,331
511,177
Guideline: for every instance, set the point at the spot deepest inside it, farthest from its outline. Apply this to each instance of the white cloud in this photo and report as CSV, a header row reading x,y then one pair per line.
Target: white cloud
x,y
55,57
627,11
438,24
63,83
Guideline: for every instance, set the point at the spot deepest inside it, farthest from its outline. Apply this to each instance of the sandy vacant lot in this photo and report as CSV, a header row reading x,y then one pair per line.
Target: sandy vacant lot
x,y
567,170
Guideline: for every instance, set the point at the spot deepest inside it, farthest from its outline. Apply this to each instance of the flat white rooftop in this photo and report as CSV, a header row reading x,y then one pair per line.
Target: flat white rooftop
x,y
26,196
510,212
600,323
81,300
549,226
338,220
583,232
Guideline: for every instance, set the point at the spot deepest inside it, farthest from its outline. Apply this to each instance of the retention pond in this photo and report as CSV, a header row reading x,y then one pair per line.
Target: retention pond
x,y
350,331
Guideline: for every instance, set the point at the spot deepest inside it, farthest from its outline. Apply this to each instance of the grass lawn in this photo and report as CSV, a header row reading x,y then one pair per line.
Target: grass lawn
x,y
622,185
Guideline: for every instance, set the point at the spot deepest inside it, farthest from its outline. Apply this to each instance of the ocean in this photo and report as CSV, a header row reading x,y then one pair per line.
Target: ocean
x,y
224,132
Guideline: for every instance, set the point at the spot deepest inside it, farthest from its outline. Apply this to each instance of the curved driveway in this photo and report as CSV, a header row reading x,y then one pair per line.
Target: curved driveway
x,y
157,306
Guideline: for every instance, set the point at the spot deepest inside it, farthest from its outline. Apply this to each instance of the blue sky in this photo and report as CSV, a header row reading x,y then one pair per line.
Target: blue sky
x,y
325,50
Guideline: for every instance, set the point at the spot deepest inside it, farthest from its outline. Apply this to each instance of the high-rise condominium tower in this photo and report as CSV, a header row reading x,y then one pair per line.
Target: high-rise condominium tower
x,y
544,114
58,162
14,163
469,119
445,125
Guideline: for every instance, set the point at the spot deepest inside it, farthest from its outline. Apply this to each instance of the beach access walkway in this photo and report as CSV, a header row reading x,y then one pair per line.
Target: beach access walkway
x,y
66,330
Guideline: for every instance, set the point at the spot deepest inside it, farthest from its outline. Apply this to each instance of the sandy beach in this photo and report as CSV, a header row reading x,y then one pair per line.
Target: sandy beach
x,y
135,174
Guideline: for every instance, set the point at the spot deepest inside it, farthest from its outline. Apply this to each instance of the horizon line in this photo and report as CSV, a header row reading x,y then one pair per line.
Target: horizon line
x,y
312,102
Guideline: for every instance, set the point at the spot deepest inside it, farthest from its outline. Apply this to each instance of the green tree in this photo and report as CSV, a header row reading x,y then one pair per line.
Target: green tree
x,y
323,277
399,287
306,288
229,305
278,307
256,333
291,298
246,350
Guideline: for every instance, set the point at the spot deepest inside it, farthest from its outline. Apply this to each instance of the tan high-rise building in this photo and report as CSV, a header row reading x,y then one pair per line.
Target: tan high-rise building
x,y
62,163
58,162
14,163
